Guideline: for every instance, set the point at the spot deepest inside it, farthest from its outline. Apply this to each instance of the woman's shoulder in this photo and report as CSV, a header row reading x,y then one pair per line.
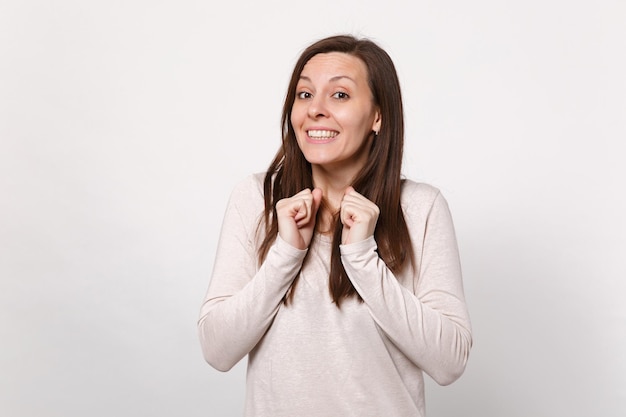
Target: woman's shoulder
x,y
247,195
412,190
250,186
420,197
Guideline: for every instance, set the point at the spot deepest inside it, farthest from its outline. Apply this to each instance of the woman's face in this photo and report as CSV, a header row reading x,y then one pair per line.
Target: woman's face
x,y
333,114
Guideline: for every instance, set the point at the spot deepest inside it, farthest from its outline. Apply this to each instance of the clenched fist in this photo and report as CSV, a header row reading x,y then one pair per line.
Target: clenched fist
x,y
296,217
359,216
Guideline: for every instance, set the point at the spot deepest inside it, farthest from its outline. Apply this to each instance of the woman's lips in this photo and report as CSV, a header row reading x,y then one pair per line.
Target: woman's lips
x,y
321,135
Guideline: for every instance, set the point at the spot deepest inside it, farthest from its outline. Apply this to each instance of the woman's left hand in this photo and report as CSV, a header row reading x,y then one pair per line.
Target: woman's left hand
x,y
358,215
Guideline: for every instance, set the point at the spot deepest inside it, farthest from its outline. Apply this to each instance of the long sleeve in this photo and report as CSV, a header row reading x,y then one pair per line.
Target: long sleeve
x,y
423,312
242,301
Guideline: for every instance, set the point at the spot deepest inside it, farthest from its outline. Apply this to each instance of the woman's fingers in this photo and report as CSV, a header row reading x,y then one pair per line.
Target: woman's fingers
x,y
316,195
358,215
296,217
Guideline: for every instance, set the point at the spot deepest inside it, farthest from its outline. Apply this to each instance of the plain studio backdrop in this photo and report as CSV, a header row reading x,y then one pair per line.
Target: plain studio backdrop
x,y
125,124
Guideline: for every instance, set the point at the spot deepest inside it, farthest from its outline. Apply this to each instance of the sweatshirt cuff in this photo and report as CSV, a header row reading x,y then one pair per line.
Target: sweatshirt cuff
x,y
359,248
285,249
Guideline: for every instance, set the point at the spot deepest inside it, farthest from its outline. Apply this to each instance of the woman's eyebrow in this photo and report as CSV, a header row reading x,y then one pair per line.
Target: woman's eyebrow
x,y
332,79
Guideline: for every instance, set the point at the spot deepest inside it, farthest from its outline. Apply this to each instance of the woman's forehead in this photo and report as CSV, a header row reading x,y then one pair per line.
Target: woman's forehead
x,y
335,65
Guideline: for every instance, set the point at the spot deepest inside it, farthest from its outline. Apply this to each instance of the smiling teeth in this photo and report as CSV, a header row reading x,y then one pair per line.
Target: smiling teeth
x,y
322,134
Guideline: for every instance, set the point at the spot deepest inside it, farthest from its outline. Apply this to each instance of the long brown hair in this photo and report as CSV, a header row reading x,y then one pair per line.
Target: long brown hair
x,y
380,179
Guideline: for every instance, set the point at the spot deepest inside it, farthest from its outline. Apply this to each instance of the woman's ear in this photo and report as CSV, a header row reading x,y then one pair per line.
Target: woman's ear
x,y
377,122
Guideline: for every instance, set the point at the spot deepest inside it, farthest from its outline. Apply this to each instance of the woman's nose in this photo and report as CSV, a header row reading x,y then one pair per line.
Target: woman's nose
x,y
317,108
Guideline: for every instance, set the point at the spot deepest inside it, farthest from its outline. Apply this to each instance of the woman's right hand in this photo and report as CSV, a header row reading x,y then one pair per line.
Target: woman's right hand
x,y
296,217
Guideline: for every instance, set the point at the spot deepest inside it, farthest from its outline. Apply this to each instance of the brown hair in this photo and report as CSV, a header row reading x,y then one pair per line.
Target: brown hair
x,y
379,180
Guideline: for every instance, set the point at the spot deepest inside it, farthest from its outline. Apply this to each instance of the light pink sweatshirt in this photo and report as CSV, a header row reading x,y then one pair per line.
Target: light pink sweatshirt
x,y
310,358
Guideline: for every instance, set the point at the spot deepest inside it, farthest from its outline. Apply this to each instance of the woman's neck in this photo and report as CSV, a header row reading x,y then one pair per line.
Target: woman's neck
x,y
333,185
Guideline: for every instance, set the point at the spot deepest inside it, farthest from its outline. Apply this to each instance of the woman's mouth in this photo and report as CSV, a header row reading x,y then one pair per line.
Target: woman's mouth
x,y
321,135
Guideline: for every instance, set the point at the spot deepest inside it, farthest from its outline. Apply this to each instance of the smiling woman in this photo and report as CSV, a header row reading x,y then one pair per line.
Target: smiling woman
x,y
338,279
334,115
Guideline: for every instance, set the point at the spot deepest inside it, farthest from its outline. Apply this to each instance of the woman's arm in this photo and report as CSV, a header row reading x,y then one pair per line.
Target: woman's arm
x,y
429,322
241,302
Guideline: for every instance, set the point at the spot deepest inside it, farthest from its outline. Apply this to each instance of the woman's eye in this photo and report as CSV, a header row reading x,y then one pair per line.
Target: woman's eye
x,y
304,95
341,95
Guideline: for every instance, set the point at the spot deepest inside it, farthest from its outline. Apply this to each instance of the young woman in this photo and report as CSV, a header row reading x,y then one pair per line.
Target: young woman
x,y
340,280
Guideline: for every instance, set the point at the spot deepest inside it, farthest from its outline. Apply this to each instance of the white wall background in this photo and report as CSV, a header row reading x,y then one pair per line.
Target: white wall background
x,y
125,124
